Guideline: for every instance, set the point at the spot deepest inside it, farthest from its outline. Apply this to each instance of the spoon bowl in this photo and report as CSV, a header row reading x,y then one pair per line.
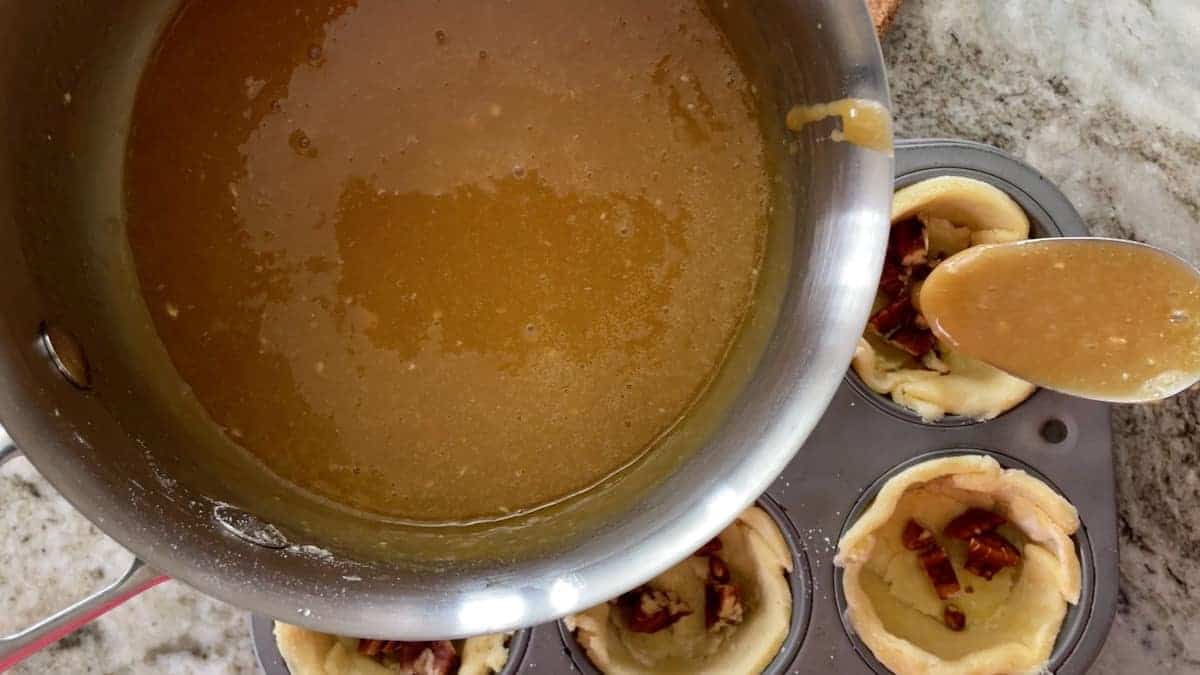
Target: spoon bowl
x,y
1104,319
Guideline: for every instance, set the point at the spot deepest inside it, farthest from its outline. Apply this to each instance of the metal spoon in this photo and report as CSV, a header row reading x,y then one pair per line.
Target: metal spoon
x,y
1104,319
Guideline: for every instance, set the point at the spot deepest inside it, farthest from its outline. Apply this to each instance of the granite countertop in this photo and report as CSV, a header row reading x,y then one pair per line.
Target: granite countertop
x,y
1102,97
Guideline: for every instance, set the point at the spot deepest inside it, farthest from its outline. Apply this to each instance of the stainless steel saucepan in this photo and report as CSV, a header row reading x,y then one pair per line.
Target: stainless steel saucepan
x,y
88,393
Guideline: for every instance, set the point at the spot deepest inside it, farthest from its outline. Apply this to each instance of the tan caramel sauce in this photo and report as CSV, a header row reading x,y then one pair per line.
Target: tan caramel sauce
x,y
446,261
864,123
1102,319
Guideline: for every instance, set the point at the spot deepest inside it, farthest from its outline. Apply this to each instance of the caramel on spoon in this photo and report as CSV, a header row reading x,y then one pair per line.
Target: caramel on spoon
x,y
1103,319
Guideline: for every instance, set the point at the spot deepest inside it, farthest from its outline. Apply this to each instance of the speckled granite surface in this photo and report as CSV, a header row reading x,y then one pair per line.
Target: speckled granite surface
x,y
1103,97
52,556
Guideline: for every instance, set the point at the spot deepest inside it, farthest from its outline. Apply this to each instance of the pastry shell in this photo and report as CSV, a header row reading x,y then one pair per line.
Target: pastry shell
x,y
1049,579
308,652
759,557
958,213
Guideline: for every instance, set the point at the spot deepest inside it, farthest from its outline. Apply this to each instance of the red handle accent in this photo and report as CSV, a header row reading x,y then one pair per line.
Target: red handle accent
x,y
75,623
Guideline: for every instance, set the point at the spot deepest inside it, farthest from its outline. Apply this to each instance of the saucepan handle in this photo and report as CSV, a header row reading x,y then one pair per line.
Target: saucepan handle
x,y
16,647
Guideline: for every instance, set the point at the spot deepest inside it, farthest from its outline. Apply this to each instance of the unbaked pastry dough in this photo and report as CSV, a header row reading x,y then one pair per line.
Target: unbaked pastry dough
x,y
957,213
308,652
758,558
1013,620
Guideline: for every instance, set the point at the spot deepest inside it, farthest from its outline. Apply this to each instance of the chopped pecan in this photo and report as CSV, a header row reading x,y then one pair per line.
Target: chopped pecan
x,y
718,571
989,553
907,243
915,537
894,279
933,558
710,548
649,610
439,659
939,570
972,523
371,647
907,261
954,618
722,600
722,606
893,317
407,652
914,340
436,657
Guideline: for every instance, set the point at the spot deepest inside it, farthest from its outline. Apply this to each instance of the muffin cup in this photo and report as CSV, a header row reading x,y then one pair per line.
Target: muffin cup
x,y
1077,615
1057,218
799,580
262,634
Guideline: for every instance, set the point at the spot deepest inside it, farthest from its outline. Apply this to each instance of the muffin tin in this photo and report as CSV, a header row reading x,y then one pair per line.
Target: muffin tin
x,y
865,438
